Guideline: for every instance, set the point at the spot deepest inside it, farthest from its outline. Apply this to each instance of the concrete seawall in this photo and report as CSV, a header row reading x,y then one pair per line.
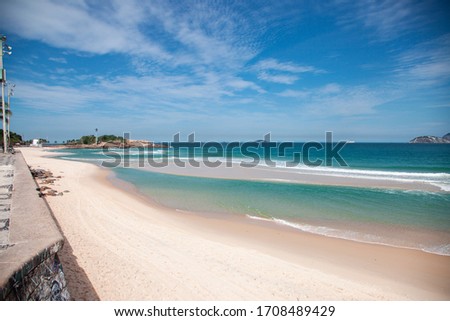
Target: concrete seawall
x,y
29,238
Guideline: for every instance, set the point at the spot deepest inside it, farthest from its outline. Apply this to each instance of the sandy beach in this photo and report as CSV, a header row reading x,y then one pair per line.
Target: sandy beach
x,y
121,246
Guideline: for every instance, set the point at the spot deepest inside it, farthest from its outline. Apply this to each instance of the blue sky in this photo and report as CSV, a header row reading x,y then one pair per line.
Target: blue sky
x,y
229,70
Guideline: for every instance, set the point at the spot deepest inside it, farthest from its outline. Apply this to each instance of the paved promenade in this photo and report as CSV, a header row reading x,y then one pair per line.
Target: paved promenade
x,y
29,237
6,188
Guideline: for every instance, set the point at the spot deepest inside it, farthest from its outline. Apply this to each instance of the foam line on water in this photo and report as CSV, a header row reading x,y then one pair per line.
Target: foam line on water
x,y
441,180
351,235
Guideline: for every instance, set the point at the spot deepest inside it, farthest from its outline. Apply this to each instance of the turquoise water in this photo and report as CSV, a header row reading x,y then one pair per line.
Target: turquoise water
x,y
364,214
298,201
390,157
415,219
429,163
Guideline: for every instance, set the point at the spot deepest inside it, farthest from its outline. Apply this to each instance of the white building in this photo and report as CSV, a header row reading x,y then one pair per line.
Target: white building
x,y
35,143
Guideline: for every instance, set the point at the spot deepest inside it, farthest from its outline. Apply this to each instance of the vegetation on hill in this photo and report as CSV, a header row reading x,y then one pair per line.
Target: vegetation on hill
x,y
90,139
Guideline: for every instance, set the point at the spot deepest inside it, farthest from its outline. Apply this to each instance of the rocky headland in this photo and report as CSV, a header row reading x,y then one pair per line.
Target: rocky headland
x,y
431,139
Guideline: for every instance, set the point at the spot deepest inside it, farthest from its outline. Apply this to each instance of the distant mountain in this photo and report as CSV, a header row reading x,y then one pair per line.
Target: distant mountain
x,y
431,139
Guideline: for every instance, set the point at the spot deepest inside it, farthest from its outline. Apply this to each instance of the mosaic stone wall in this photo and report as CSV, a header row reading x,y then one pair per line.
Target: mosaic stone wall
x,y
46,282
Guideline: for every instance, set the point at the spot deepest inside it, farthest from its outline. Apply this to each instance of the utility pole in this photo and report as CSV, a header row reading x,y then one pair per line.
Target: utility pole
x,y
5,142
10,93
4,48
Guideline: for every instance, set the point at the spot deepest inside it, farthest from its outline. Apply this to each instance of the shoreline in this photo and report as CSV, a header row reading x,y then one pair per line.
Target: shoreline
x,y
239,259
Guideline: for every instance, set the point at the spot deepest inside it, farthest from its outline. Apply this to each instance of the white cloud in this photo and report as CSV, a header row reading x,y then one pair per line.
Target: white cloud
x,y
279,78
294,93
426,64
330,89
334,99
241,84
205,47
273,64
198,39
60,60
349,102
74,25
59,99
388,19
272,70
148,95
208,34
327,90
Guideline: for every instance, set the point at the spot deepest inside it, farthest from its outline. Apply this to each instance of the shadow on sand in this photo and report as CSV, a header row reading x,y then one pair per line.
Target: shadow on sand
x,y
78,283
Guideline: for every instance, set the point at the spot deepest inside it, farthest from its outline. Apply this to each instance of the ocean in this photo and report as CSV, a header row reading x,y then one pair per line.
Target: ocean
x,y
411,218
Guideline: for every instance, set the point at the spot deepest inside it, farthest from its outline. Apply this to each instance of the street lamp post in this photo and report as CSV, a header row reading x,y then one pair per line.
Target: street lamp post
x,y
4,48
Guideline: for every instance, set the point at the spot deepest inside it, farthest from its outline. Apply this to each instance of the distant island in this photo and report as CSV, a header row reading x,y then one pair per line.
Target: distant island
x,y
431,139
90,142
